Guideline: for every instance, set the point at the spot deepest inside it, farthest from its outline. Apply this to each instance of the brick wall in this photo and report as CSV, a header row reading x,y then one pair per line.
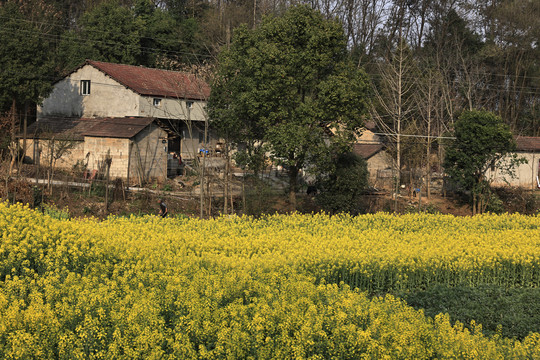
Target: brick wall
x,y
38,151
98,149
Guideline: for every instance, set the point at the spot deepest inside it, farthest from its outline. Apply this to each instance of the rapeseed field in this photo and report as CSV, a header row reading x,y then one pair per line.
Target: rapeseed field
x,y
275,287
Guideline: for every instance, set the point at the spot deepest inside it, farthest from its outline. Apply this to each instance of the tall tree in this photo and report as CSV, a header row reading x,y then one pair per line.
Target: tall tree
x,y
291,80
26,68
394,105
160,34
482,141
512,60
108,32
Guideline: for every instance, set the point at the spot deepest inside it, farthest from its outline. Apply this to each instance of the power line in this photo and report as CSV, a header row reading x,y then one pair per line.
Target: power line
x,y
158,50
112,43
97,31
57,37
417,136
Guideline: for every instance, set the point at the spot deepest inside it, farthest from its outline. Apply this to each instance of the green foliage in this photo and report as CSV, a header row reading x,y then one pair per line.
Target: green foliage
x,y
26,68
108,32
341,190
482,141
518,199
494,204
515,310
288,84
56,213
98,189
159,31
428,208
260,197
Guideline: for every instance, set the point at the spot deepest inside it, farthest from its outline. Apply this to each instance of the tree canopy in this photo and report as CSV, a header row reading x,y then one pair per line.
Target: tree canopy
x,y
289,84
108,32
26,67
482,141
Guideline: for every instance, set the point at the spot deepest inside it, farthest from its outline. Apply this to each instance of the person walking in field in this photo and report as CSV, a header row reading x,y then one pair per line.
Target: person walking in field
x,y
163,211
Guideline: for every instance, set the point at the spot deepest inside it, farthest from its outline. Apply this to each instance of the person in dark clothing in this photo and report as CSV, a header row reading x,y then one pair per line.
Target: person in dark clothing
x,y
163,211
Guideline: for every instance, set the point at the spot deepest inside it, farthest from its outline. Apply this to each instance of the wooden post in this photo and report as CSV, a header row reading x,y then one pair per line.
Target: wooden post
x,y
130,146
108,162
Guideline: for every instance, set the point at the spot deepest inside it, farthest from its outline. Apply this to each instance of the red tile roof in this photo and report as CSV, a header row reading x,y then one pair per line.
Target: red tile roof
x,y
62,128
370,125
528,143
124,128
77,128
155,82
366,150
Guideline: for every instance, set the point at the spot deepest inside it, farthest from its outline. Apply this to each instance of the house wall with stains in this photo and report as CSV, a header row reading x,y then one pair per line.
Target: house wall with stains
x,y
106,97
148,155
525,174
99,148
380,161
68,152
169,108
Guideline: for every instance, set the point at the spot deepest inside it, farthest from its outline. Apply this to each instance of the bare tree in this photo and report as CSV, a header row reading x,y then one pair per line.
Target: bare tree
x,y
58,146
428,98
394,100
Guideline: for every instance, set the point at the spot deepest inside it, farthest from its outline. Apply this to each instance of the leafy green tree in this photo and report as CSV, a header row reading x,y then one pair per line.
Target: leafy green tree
x,y
342,188
289,85
160,34
482,141
108,32
26,69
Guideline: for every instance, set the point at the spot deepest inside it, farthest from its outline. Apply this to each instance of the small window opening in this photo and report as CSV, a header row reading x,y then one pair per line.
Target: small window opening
x,y
85,87
157,102
189,104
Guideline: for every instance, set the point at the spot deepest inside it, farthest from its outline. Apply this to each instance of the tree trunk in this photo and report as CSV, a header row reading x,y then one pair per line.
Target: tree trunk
x,y
201,185
293,184
202,170
107,186
428,163
25,127
51,165
12,147
226,179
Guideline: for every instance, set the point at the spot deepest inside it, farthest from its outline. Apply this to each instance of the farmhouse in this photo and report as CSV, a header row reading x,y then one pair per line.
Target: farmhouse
x,y
379,163
137,147
527,174
139,116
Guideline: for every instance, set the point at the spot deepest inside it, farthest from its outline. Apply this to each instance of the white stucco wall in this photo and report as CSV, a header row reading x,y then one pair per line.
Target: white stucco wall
x,y
525,174
380,161
172,108
107,97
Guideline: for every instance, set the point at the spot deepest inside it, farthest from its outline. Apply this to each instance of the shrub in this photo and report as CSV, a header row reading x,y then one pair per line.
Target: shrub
x,y
341,190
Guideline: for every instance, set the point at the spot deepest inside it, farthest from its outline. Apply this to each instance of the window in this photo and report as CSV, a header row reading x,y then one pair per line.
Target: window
x,y
85,87
189,104
157,102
